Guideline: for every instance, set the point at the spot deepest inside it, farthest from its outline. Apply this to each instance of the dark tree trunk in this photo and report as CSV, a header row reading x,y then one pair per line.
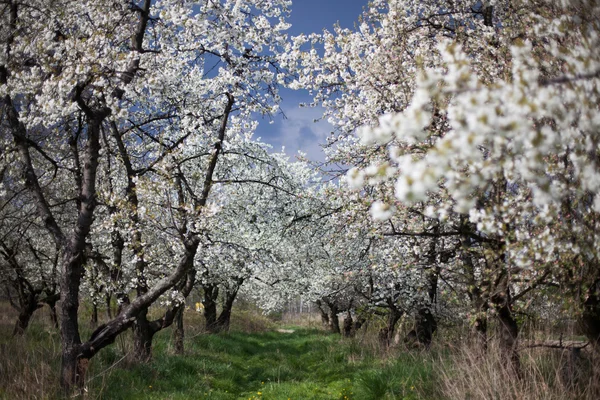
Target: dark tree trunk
x,y
94,317
28,303
425,323
480,331
178,332
211,293
109,313
334,321
142,338
28,297
386,334
23,319
590,318
324,315
73,368
53,316
509,331
224,319
477,292
348,325
425,326
144,330
359,322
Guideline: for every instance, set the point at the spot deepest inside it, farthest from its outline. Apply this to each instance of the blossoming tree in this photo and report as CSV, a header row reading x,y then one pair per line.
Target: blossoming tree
x,y
109,95
479,117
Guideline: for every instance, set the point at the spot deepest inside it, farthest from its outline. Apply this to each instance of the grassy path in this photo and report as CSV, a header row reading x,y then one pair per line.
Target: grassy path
x,y
302,365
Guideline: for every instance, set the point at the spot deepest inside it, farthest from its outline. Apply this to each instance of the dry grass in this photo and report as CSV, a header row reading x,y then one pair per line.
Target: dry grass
x,y
28,371
307,320
546,374
250,321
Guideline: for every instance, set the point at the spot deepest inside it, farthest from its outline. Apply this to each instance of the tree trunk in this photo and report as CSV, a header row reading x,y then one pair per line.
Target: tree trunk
x,y
179,329
425,323
480,332
23,320
72,371
28,305
590,318
107,300
509,331
222,324
324,315
386,334
53,316
178,332
359,322
348,325
94,317
211,293
425,326
477,292
142,338
224,319
334,321
144,330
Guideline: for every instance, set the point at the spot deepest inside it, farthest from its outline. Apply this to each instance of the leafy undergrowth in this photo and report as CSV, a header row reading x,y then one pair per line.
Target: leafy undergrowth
x,y
305,364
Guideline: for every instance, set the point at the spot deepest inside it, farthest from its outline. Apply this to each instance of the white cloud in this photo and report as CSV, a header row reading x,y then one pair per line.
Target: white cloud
x,y
298,132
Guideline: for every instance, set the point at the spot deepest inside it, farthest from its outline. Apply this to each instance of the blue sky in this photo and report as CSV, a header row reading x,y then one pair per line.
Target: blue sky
x,y
298,131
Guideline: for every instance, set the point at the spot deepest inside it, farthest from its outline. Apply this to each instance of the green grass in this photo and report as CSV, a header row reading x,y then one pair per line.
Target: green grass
x,y
258,362
306,364
253,362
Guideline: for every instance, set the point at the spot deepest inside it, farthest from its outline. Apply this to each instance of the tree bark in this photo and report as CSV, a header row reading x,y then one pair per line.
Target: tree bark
x,y
590,318
359,322
425,323
334,321
107,301
386,334
324,315
425,326
27,304
74,367
144,330
178,312
488,16
480,331
179,332
211,293
142,338
348,325
94,317
509,330
224,320
53,315
24,317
